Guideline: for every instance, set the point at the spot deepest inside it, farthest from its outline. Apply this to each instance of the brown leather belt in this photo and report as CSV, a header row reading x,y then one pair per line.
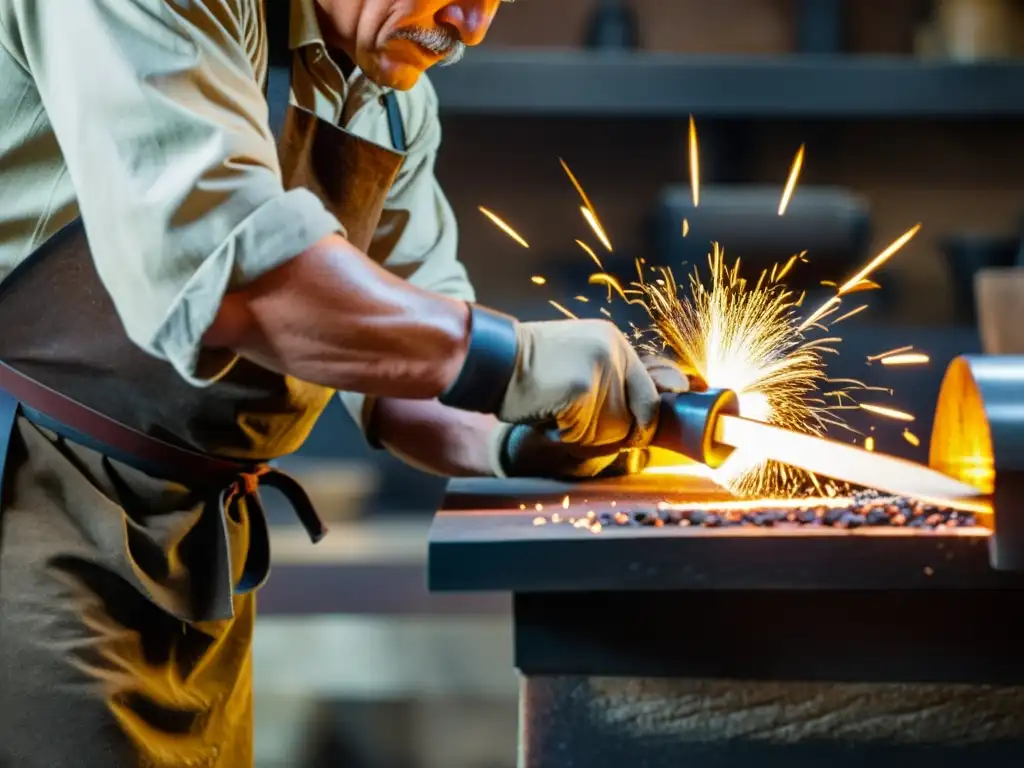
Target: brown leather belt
x,y
22,395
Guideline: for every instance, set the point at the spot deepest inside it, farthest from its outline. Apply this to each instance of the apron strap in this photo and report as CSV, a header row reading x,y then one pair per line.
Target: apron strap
x,y
277,14
21,395
395,121
257,561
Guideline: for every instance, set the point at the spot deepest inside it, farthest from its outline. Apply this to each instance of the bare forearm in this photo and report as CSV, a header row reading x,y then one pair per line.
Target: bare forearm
x,y
435,438
332,316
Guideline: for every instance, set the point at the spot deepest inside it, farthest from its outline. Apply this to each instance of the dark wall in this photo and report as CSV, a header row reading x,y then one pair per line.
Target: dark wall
x,y
949,176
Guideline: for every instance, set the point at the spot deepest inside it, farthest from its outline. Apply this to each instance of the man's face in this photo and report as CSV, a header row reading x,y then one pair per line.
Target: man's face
x,y
395,41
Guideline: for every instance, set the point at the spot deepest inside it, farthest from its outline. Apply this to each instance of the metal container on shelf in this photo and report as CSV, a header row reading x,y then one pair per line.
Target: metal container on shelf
x,y
969,30
613,26
968,255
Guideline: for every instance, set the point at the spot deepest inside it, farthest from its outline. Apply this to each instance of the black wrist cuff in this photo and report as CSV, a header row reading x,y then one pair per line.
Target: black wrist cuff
x,y
490,363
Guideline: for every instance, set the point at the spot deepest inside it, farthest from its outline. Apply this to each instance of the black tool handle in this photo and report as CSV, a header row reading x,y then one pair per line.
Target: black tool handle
x,y
686,424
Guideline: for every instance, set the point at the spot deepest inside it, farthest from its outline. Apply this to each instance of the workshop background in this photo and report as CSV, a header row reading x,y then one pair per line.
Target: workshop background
x,y
910,111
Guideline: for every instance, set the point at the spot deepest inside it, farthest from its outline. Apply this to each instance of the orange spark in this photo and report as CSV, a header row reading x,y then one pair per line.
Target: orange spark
x,y
591,254
595,225
582,299
898,350
857,282
504,227
914,358
880,259
538,280
794,174
829,306
603,278
864,285
563,310
589,212
911,438
869,444
575,183
686,227
889,413
789,265
694,164
565,503
849,314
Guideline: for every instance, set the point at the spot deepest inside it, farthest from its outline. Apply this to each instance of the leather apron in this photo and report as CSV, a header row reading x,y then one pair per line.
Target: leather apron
x,y
132,538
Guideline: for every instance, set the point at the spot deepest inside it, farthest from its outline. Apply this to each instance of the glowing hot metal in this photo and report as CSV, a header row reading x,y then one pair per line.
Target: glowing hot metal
x,y
849,463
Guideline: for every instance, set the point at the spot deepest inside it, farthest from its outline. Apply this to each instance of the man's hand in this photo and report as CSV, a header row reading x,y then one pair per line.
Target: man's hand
x,y
667,375
455,443
525,451
583,380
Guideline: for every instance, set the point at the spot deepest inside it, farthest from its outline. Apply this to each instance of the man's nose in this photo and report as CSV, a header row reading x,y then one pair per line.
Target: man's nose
x,y
471,17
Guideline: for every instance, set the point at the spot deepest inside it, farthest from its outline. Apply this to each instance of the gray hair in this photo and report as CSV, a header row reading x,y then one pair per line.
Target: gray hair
x,y
437,40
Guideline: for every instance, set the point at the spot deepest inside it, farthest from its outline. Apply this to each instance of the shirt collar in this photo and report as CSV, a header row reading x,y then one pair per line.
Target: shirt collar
x,y
305,26
305,31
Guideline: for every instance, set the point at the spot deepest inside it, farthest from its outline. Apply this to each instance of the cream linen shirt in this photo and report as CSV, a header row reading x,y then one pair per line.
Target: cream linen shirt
x,y
147,119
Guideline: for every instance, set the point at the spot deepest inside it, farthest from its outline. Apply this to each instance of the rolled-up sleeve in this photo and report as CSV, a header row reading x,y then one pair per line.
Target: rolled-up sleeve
x,y
418,236
163,128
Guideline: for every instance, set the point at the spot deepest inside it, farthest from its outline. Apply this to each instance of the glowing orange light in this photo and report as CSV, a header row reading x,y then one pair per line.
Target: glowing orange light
x,y
575,183
897,351
905,359
590,252
889,413
850,314
694,164
785,270
880,259
595,225
828,458
504,227
827,308
563,310
794,174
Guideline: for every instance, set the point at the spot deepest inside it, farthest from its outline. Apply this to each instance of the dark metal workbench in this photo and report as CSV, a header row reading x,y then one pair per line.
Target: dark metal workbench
x,y
482,541
672,646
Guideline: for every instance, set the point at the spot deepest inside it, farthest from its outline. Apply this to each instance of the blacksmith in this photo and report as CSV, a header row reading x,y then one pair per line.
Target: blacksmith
x,y
191,268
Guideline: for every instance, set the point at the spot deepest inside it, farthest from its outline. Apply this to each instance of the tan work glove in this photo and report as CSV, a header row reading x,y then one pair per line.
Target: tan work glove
x,y
582,399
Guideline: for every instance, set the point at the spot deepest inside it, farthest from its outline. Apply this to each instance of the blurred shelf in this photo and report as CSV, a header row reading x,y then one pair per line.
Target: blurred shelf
x,y
376,658
371,568
575,83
